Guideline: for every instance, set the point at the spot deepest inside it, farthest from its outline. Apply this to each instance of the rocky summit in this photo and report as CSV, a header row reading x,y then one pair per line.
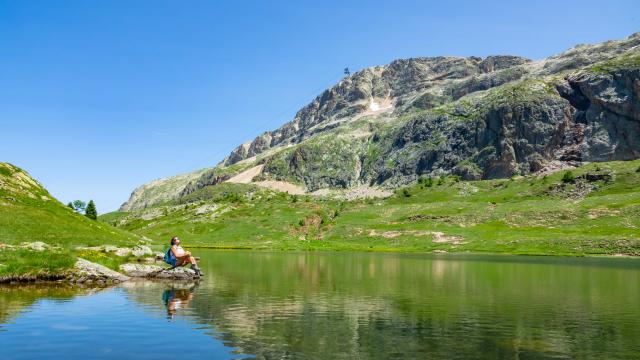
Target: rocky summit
x,y
477,118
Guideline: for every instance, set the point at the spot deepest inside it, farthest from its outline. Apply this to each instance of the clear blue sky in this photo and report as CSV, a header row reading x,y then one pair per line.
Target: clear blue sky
x,y
98,97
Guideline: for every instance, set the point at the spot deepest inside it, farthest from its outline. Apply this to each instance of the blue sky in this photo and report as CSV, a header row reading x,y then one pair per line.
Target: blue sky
x,y
98,97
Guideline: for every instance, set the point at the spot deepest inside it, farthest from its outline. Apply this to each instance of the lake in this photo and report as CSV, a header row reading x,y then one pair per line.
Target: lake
x,y
339,306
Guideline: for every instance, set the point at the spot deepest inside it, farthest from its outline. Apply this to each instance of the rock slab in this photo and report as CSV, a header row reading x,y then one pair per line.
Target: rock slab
x,y
158,272
88,271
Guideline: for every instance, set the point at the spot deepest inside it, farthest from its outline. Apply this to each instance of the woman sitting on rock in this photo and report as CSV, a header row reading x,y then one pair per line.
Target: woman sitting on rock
x,y
181,257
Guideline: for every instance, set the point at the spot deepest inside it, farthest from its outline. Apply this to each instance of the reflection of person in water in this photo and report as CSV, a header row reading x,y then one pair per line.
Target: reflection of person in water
x,y
175,299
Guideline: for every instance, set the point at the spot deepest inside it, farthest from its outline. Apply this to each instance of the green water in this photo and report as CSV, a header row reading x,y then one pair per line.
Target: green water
x,y
348,306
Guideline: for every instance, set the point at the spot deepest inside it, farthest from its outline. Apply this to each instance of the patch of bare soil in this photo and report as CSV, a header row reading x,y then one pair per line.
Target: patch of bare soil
x,y
602,211
283,186
246,176
436,236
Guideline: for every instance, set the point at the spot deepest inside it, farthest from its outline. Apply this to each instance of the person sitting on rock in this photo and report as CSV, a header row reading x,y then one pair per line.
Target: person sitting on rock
x,y
181,257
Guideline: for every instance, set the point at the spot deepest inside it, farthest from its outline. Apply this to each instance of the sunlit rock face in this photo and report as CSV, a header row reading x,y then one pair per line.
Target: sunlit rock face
x,y
478,118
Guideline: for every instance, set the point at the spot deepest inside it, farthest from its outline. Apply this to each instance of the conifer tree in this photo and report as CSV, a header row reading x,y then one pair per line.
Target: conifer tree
x,y
91,211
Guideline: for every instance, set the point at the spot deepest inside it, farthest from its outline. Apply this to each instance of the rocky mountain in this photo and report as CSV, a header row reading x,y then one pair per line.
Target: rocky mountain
x,y
478,118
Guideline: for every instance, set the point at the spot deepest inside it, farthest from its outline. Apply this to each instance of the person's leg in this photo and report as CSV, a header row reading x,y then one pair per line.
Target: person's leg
x,y
194,265
182,262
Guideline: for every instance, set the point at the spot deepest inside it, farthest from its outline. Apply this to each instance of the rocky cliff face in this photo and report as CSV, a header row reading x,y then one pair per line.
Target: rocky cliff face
x,y
385,88
477,118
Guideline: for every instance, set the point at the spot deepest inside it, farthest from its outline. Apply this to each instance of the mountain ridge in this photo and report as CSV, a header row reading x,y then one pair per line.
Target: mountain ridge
x,y
498,116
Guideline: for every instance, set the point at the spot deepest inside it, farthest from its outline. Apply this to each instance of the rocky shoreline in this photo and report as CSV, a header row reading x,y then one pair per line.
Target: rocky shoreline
x,y
149,265
86,271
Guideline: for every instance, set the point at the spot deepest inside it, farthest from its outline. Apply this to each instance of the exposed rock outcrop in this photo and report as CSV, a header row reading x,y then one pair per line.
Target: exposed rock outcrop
x,y
87,271
137,251
158,272
401,80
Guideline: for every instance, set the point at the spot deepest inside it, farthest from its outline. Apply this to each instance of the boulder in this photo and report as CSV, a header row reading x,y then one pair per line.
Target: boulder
x,y
122,251
597,177
158,272
137,251
141,250
87,271
35,246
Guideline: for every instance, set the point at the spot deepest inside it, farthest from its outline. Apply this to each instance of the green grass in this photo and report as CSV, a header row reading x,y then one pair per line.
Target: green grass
x,y
629,60
35,264
523,215
28,213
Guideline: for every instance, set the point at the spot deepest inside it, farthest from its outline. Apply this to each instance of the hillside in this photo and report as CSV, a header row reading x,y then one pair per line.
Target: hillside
x,y
477,118
31,219
595,211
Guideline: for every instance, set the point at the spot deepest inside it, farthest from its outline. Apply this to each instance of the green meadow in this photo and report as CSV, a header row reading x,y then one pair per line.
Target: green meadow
x,y
595,210
28,213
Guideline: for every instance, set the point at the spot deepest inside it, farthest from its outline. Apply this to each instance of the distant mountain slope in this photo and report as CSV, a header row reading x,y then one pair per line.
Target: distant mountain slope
x,y
496,117
160,190
591,209
28,213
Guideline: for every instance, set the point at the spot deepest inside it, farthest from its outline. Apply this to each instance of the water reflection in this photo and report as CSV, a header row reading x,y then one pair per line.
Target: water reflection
x,y
379,306
17,298
104,324
329,306
177,297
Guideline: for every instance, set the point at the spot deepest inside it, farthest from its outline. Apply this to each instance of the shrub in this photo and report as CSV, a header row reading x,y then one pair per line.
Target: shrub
x,y
568,177
406,192
429,182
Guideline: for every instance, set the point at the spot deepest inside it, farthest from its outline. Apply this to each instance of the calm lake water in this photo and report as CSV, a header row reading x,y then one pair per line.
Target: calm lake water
x,y
340,306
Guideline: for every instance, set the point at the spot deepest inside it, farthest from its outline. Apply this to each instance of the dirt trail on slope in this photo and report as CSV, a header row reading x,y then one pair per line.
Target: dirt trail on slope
x,y
246,176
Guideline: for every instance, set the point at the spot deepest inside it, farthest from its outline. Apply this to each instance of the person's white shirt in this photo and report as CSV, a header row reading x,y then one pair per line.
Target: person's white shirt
x,y
179,250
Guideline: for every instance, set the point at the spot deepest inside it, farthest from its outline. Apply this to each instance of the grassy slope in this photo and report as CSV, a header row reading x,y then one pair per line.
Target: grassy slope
x,y
528,215
29,213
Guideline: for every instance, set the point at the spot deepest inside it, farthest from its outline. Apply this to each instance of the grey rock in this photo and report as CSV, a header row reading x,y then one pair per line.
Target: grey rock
x,y
37,246
141,250
158,272
86,271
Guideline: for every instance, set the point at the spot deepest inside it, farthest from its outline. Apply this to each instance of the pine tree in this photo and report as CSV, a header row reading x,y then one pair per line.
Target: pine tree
x,y
91,211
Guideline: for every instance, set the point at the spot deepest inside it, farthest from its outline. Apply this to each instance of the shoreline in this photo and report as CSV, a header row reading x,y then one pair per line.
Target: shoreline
x,y
77,277
403,251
